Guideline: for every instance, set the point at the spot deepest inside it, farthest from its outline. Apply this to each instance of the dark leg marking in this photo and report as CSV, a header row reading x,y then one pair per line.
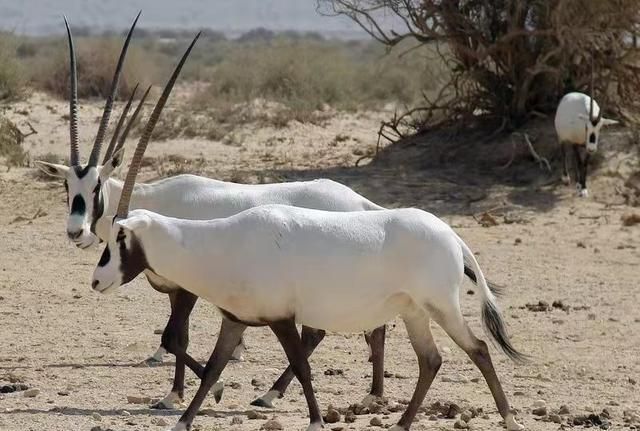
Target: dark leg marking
x,y
175,338
290,340
230,333
376,341
310,340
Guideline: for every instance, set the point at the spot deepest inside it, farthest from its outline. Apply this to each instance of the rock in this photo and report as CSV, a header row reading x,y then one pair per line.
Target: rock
x,y
466,416
252,414
338,428
632,381
350,417
433,418
96,416
332,416
540,411
460,425
63,393
517,241
158,331
159,422
518,394
564,410
236,420
539,307
272,424
388,374
375,422
30,393
125,413
580,244
235,385
555,418
539,403
452,411
257,383
333,372
475,379
134,399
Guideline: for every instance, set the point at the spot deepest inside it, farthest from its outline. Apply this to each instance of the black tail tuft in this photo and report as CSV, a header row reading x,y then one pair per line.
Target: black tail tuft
x,y
496,289
495,325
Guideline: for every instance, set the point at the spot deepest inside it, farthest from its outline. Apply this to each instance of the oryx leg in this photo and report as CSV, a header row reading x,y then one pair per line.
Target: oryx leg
x,y
289,338
453,323
375,340
230,335
429,361
310,340
566,178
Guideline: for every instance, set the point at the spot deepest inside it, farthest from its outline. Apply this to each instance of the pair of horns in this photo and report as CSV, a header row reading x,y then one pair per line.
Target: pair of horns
x,y
73,100
136,161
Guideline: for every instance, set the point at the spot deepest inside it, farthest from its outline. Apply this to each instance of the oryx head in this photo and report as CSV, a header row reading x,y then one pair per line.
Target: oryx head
x,y
84,182
123,258
595,121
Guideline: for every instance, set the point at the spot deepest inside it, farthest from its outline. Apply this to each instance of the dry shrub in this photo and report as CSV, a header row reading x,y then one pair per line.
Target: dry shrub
x,y
508,60
11,139
12,82
96,60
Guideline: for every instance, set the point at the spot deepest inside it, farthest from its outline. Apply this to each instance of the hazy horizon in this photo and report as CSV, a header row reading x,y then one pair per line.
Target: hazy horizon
x,y
232,17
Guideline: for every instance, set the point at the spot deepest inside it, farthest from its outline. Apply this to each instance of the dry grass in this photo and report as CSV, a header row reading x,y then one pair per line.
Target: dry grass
x,y
11,139
12,82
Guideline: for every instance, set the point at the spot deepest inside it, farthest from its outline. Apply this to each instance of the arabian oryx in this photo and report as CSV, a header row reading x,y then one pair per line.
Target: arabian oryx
x,y
578,123
92,196
278,265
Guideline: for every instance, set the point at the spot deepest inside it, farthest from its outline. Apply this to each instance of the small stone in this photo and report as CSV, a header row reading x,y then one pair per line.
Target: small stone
x,y
257,383
235,385
333,372
555,418
63,393
96,416
350,417
332,416
581,244
591,316
338,428
272,424
159,422
236,420
252,414
158,331
475,379
452,411
517,241
30,393
540,411
388,374
375,422
518,394
460,425
539,403
466,416
564,410
632,381
433,418
125,413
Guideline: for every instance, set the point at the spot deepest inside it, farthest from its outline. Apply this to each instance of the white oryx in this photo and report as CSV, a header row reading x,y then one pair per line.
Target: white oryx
x,y
578,123
279,265
92,196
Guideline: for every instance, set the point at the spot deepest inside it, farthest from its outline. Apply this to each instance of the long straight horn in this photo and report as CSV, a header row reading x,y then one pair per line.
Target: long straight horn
x,y
116,133
74,156
104,122
122,139
125,197
592,95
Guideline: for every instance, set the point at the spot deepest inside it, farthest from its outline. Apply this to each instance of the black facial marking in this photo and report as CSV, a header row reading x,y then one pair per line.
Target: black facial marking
x,y
105,258
80,171
78,206
592,138
98,206
66,189
133,260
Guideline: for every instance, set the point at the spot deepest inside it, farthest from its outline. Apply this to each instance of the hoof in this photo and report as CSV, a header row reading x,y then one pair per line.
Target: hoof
x,y
259,402
237,352
180,426
218,389
316,426
150,362
170,402
565,179
584,193
397,428
511,423
266,401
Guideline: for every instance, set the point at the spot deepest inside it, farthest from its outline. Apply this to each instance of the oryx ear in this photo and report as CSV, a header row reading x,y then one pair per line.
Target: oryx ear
x,y
52,169
608,122
110,165
134,223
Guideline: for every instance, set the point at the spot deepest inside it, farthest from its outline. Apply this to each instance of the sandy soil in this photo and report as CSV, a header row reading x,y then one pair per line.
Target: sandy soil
x,y
81,349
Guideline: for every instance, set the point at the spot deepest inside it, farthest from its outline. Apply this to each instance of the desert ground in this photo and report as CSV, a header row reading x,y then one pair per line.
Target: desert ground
x,y
569,267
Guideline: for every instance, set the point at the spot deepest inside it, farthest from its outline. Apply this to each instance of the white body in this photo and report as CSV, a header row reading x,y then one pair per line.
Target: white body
x,y
333,271
197,198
